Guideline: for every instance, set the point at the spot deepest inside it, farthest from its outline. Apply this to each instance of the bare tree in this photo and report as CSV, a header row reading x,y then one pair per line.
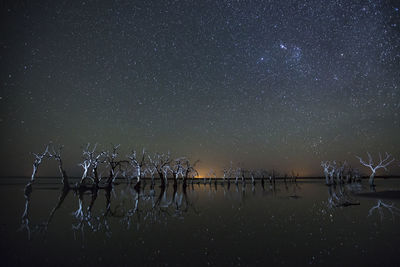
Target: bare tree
x,y
152,170
210,175
238,171
227,174
189,170
178,169
252,173
339,171
349,175
38,161
161,163
326,165
272,177
114,165
91,161
138,164
383,163
166,169
263,174
56,154
243,175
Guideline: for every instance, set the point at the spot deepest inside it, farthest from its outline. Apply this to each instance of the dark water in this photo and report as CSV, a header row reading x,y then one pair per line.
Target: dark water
x,y
303,223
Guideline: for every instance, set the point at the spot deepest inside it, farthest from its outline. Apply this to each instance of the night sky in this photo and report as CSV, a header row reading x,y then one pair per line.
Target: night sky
x,y
272,84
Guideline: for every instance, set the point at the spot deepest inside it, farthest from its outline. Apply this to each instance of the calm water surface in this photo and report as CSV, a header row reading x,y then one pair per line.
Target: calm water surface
x,y
303,223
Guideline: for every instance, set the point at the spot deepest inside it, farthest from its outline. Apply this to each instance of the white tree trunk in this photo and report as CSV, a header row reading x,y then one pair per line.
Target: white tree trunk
x,y
327,178
371,178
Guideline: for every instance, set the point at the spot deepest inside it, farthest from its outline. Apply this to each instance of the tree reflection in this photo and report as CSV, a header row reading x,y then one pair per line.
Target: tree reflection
x,y
133,206
127,206
380,208
339,196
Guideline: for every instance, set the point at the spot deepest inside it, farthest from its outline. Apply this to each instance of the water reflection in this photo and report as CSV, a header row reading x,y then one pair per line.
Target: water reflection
x,y
381,207
340,195
344,195
133,207
289,222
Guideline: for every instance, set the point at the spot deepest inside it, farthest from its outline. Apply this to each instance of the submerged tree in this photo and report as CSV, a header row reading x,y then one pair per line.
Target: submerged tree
x,y
326,165
56,154
227,174
383,163
138,164
189,170
152,170
161,162
38,161
210,175
177,170
340,171
113,164
90,164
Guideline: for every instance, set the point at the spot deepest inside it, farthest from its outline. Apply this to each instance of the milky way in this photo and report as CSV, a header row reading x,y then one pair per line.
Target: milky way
x,y
274,84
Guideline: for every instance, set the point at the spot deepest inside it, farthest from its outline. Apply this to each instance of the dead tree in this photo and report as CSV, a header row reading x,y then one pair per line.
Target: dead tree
x,y
192,175
252,173
166,169
38,161
272,177
113,164
138,164
227,174
210,175
331,172
326,165
189,170
238,171
243,175
339,171
152,171
56,154
160,162
91,161
383,163
349,175
356,175
263,173
178,169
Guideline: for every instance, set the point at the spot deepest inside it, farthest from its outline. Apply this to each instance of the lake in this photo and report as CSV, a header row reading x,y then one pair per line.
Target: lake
x,y
289,223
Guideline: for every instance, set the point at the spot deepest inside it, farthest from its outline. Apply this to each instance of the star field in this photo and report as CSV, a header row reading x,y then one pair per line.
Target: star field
x,y
274,84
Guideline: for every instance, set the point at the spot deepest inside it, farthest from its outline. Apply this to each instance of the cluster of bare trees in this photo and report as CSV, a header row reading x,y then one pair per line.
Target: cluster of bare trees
x,y
341,172
137,165
240,174
134,167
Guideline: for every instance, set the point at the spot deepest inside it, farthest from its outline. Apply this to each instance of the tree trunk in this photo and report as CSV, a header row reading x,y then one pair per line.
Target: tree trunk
x,y
327,179
34,172
162,179
371,179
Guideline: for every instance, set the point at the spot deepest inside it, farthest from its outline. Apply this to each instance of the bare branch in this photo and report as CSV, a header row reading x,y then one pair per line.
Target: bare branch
x,y
383,163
